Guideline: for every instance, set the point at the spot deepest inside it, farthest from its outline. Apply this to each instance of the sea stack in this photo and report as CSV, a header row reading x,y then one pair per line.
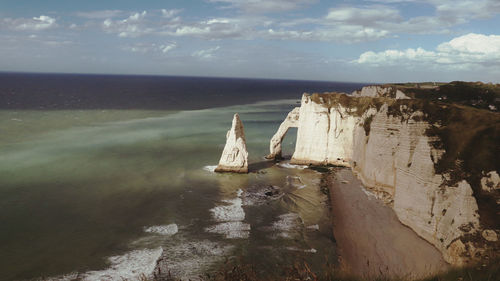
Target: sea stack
x,y
235,156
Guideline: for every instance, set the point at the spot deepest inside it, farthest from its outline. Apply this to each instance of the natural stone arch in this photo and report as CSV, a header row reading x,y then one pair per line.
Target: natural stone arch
x,y
291,121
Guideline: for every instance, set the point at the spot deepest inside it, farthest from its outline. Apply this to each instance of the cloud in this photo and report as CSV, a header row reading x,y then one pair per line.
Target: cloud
x,y
24,45
136,16
463,10
261,27
341,33
132,26
170,13
218,28
102,14
455,11
206,54
386,18
34,24
264,6
352,24
466,52
150,48
363,15
168,47
139,48
376,20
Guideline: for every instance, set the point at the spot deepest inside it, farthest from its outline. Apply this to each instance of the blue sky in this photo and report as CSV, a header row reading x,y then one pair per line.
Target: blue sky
x,y
349,40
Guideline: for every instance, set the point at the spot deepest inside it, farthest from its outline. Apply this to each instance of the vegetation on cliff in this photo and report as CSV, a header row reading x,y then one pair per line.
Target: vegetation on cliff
x,y
475,94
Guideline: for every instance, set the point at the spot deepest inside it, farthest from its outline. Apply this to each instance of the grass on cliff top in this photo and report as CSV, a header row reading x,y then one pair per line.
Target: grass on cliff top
x,y
475,94
357,106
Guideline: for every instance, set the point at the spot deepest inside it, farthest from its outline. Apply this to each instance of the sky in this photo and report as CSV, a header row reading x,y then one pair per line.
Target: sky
x,y
344,40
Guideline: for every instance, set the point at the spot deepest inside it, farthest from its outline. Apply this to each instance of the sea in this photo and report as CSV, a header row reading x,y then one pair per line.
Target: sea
x,y
109,177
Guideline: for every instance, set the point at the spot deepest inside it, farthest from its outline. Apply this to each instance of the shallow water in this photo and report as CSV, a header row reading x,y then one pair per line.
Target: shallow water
x,y
99,193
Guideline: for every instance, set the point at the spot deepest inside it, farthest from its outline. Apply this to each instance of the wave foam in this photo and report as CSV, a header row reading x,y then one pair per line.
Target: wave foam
x,y
130,266
232,212
188,259
209,168
231,217
291,166
312,250
170,229
313,227
287,225
231,230
295,181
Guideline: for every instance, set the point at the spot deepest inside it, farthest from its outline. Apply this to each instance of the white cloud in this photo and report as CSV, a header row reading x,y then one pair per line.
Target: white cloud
x,y
34,24
261,27
168,47
340,33
264,6
350,24
133,26
101,14
139,48
144,48
466,52
473,44
392,57
364,15
136,16
218,28
376,20
464,10
456,11
206,54
387,18
170,13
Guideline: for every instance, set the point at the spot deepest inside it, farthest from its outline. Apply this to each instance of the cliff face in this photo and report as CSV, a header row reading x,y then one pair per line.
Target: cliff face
x,y
416,157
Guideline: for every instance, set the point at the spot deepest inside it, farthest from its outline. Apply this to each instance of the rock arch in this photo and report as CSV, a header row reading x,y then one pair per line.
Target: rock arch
x,y
291,121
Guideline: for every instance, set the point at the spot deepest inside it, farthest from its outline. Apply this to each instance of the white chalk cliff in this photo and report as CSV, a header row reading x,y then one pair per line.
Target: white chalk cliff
x,y
394,157
234,156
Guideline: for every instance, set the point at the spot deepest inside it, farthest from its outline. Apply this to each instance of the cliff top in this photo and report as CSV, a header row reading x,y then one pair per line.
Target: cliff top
x,y
475,94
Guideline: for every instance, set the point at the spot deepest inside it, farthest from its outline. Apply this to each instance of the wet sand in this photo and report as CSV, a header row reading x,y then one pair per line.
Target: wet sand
x,y
370,239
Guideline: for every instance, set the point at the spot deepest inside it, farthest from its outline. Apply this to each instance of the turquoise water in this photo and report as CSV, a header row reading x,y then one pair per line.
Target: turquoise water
x,y
79,187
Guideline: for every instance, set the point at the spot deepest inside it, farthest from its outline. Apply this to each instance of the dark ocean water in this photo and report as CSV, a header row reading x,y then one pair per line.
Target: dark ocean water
x,y
71,91
98,174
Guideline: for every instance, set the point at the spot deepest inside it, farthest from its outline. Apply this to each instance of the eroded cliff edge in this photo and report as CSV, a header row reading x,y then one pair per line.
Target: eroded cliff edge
x,y
436,164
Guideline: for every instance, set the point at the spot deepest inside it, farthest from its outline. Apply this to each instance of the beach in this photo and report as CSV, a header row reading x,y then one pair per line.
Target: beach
x,y
371,241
